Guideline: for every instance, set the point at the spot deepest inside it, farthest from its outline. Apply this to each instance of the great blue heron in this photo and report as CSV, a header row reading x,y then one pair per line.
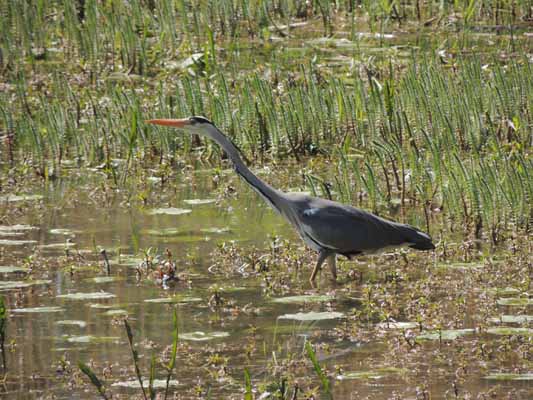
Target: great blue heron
x,y
328,227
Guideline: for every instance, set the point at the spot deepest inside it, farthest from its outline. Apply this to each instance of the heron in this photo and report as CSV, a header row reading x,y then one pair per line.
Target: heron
x,y
328,227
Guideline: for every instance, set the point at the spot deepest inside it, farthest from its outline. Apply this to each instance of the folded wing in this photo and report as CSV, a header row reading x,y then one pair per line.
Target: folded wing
x,y
348,230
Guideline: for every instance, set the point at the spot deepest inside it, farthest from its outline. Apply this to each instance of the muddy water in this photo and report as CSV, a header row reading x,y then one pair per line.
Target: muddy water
x,y
83,329
247,320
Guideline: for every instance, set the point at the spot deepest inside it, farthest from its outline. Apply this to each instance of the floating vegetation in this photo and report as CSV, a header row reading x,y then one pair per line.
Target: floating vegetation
x,y
447,334
231,289
105,279
25,197
100,306
8,285
460,265
313,316
72,322
508,331
12,233
91,339
17,228
7,242
169,211
310,298
508,291
56,246
215,230
175,299
63,231
398,325
200,336
515,301
156,384
512,319
116,312
378,373
38,310
87,296
501,376
184,235
199,202
11,269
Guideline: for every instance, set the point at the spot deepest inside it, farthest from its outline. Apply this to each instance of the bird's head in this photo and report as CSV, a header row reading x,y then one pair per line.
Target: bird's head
x,y
203,127
197,124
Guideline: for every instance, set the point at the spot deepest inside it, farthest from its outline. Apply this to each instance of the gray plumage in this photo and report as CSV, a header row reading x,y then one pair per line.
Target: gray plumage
x,y
328,227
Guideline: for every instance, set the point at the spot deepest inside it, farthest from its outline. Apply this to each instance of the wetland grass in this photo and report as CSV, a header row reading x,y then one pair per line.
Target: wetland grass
x,y
94,379
318,369
434,140
3,326
421,110
135,356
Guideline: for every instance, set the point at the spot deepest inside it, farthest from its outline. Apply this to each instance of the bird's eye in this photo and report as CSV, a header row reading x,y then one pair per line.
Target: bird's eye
x,y
199,120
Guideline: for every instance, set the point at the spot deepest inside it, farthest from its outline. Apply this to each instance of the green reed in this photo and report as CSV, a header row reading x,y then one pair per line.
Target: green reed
x,y
447,134
318,369
95,381
430,137
122,32
169,368
3,325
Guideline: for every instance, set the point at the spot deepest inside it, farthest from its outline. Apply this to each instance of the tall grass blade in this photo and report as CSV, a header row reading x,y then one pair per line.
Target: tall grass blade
x,y
247,385
93,378
172,363
135,357
318,369
3,325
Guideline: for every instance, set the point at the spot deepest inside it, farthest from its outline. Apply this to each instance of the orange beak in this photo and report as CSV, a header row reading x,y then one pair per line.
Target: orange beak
x,y
177,123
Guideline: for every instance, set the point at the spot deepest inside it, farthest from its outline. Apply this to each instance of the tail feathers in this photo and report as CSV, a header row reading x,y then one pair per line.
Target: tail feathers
x,y
428,245
419,240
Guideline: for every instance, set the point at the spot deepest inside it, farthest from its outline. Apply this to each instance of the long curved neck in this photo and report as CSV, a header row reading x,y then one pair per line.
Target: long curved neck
x,y
267,192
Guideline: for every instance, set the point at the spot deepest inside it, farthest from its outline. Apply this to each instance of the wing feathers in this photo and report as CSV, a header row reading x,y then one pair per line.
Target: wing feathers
x,y
348,230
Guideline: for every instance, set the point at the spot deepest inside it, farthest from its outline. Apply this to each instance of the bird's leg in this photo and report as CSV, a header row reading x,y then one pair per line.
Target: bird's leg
x,y
321,258
332,261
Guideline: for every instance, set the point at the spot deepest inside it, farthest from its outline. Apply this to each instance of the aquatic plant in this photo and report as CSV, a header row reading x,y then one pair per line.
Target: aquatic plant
x,y
94,379
172,362
3,325
247,385
416,140
416,110
318,369
152,371
135,356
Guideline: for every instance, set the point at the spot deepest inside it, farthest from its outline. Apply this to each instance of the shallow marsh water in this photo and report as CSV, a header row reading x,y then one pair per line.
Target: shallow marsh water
x,y
66,310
